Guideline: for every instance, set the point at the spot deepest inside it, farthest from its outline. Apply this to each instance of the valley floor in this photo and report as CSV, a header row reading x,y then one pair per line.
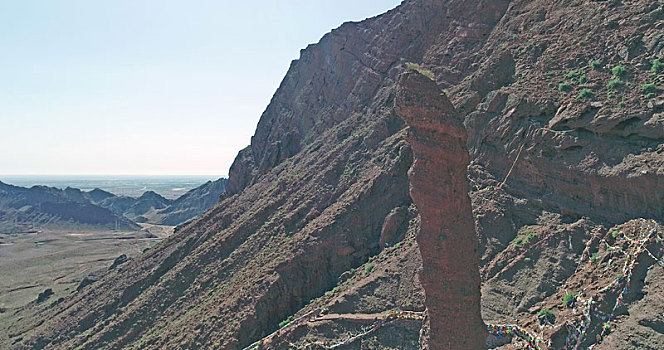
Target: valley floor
x,y
58,260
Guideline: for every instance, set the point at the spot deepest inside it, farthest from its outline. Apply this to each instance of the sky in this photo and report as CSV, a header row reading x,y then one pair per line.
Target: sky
x,y
147,87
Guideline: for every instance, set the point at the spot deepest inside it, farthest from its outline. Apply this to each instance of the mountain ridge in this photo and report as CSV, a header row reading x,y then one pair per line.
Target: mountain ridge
x,y
42,205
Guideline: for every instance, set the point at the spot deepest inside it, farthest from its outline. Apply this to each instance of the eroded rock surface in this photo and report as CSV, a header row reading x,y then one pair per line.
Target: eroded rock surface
x,y
447,239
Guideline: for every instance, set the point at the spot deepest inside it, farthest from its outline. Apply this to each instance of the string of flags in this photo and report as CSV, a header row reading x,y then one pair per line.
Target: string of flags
x,y
577,330
576,336
292,324
532,342
391,318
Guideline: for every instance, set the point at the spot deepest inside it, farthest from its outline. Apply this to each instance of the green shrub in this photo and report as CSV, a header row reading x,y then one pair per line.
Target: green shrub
x,y
614,83
569,299
429,74
369,267
648,89
285,322
585,94
518,241
595,65
594,257
657,66
547,315
545,312
618,71
615,233
412,66
582,79
416,67
564,87
573,74
527,260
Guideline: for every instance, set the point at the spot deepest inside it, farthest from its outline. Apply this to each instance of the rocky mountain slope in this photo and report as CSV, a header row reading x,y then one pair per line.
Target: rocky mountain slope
x,y
563,106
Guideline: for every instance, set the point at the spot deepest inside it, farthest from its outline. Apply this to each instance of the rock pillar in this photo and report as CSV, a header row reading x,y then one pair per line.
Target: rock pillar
x,y
447,239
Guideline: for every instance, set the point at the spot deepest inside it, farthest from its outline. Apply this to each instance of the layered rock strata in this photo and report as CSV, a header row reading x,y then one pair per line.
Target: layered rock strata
x,y
447,238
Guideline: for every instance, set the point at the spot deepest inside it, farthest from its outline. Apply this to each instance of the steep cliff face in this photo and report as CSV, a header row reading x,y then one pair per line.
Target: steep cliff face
x,y
319,93
562,148
447,239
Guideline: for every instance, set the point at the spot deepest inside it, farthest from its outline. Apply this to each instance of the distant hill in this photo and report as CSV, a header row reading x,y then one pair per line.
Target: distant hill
x,y
192,204
134,208
25,209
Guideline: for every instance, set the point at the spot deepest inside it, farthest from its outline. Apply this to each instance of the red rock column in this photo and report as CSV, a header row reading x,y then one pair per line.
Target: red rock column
x,y
447,239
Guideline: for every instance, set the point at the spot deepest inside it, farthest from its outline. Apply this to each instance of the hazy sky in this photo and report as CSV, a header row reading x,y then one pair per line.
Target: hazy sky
x,y
147,87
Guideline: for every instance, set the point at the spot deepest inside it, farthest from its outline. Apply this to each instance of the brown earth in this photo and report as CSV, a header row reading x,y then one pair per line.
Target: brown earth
x,y
559,159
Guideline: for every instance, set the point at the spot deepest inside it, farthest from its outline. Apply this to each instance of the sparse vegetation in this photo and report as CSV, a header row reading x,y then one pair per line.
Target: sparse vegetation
x,y
368,268
614,83
569,299
594,257
585,94
582,79
573,74
595,65
285,322
564,87
648,89
416,67
657,66
618,71
547,315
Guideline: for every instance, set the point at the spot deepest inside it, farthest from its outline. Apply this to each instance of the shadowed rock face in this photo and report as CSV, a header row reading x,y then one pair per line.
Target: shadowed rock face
x,y
447,238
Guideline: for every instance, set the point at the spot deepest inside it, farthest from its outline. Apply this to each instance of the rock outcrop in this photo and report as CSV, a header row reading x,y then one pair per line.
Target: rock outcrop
x,y
447,239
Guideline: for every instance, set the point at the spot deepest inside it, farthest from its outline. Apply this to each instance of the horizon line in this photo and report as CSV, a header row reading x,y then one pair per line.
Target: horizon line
x,y
98,174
